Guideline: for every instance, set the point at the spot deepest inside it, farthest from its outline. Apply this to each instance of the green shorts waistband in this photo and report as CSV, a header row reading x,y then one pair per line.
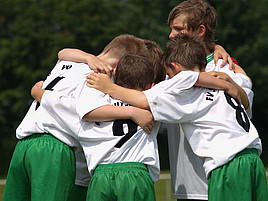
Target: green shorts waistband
x,y
126,166
46,136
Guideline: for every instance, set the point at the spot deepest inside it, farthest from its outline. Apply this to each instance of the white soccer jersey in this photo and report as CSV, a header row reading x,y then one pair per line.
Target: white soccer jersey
x,y
188,179
106,142
64,78
215,125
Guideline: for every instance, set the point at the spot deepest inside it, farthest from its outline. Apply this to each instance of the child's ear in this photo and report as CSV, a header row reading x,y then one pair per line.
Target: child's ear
x,y
176,67
201,30
149,86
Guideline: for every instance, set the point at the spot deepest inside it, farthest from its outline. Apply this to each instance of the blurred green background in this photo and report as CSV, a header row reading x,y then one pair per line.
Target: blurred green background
x,y
33,31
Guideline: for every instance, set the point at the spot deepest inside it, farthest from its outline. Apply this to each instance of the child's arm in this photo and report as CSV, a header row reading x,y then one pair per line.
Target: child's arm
x,y
138,99
226,77
103,83
96,64
37,91
141,117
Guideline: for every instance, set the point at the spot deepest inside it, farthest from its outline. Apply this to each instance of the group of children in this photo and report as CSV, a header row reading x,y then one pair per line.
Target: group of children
x,y
77,133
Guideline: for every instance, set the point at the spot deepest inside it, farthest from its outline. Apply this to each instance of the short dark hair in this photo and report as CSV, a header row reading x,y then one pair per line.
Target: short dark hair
x,y
155,53
134,71
186,50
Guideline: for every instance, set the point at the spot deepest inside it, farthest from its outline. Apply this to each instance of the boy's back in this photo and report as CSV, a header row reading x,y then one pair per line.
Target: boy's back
x,y
216,126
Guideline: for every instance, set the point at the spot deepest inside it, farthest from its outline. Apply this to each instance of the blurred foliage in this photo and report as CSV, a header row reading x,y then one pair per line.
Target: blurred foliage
x,y
33,31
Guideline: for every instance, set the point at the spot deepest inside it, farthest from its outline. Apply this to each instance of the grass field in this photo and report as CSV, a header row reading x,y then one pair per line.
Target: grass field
x,y
1,192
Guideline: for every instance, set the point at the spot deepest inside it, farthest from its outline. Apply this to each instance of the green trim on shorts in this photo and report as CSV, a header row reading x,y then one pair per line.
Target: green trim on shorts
x,y
127,166
41,136
120,182
243,178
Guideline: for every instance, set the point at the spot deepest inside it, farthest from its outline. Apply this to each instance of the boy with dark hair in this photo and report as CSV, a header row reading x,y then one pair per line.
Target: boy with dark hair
x,y
117,151
33,174
215,124
198,18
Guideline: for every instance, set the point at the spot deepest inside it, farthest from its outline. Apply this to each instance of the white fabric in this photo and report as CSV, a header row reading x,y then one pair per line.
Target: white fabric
x,y
99,142
190,184
98,139
70,76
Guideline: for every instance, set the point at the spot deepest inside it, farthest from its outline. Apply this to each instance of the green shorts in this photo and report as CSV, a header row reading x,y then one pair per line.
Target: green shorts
x,y
242,179
120,182
42,168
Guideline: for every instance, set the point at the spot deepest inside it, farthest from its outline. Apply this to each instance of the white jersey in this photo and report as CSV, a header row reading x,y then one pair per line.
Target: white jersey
x,y
188,179
64,78
106,142
215,125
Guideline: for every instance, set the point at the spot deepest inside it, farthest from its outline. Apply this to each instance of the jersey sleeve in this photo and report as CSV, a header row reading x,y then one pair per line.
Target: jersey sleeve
x,y
169,100
88,99
62,108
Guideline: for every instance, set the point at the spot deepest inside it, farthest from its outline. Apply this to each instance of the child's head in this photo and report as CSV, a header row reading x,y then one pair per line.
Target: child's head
x,y
155,53
134,71
124,44
185,51
194,17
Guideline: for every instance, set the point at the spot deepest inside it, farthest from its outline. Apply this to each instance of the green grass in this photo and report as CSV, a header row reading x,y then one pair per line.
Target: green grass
x,y
163,190
1,192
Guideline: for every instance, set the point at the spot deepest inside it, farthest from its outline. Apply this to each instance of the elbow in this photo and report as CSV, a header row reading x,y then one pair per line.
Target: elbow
x,y
61,53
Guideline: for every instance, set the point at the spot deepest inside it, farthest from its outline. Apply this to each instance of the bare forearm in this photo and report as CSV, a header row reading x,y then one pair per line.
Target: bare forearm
x,y
141,117
109,113
75,55
37,91
208,81
242,93
130,96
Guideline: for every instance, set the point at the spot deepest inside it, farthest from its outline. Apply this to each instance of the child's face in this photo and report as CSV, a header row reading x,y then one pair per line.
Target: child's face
x,y
178,27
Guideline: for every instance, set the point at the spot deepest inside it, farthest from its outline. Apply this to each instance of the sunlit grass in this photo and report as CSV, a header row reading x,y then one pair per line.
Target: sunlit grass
x,y
1,192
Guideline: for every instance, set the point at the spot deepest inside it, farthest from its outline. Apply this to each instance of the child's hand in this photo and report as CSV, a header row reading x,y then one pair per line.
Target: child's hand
x,y
37,91
220,53
98,65
99,81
